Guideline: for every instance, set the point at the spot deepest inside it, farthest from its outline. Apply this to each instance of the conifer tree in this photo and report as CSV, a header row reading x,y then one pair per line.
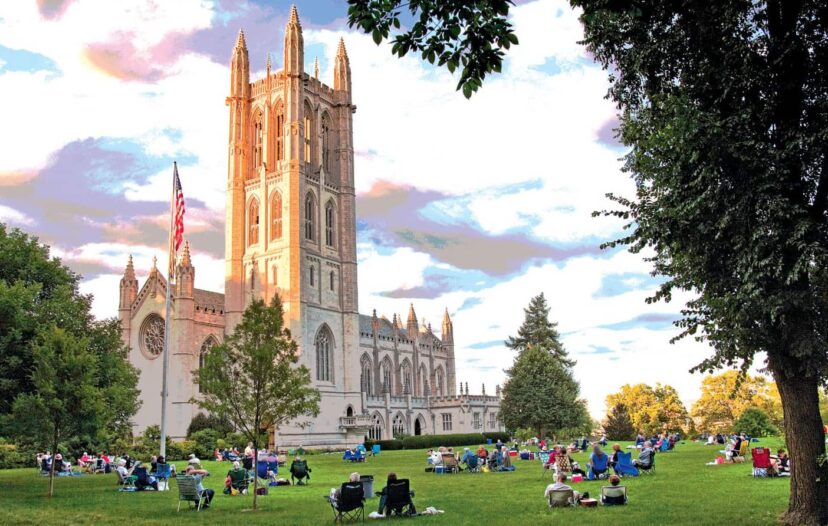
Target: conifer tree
x,y
618,425
539,332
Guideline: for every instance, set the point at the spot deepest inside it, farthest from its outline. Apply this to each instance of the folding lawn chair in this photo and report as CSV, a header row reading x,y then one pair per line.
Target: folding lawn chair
x,y
739,456
598,466
398,499
188,492
163,472
450,463
648,470
351,503
561,498
624,466
472,465
665,445
613,495
299,470
761,461
127,483
375,450
239,480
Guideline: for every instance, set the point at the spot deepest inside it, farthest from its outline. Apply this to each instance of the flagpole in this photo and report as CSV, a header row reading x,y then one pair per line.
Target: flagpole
x,y
166,357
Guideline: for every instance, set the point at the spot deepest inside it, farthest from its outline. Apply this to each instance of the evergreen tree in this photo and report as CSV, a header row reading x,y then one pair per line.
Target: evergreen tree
x,y
618,425
538,331
541,394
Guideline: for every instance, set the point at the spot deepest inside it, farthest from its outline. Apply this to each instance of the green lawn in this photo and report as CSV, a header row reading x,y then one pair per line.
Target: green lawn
x,y
684,491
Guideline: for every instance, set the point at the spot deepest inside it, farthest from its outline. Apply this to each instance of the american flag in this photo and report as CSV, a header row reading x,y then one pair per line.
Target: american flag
x,y
178,216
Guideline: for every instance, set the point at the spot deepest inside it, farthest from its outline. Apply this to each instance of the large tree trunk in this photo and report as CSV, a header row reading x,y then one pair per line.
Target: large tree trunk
x,y
808,504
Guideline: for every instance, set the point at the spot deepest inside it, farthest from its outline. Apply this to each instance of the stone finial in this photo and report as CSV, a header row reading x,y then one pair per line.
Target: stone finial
x,y
185,258
294,16
484,389
412,316
467,388
240,43
340,50
316,68
129,271
154,264
497,390
268,64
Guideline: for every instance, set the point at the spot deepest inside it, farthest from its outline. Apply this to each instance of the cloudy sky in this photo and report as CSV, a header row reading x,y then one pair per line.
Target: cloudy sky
x,y
471,205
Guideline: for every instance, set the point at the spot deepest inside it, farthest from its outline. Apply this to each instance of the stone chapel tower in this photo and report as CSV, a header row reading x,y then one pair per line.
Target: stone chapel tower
x,y
291,225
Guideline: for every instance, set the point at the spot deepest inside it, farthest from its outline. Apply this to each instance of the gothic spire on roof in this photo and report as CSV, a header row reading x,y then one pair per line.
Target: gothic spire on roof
x,y
268,64
340,50
316,68
185,258
294,16
240,43
129,271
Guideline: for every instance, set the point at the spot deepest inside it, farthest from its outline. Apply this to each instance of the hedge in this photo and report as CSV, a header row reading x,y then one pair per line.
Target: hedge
x,y
426,441
495,435
386,445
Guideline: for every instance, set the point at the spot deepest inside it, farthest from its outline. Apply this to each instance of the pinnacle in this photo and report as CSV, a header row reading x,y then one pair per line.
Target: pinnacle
x,y
240,43
316,68
129,272
340,51
411,316
269,64
294,16
185,259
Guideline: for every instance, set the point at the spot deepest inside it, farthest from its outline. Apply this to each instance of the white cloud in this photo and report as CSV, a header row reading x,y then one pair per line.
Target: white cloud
x,y
13,216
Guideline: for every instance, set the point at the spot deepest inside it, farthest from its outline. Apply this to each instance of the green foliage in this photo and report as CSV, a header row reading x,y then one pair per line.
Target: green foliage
x,y
618,425
755,423
651,409
469,35
11,456
385,445
221,426
253,379
538,331
540,393
205,441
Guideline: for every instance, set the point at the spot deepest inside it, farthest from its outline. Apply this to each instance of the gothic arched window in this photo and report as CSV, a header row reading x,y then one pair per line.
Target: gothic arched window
x,y
375,432
279,133
253,222
330,226
438,380
326,144
310,216
398,426
386,375
308,133
275,216
365,376
406,376
208,344
324,351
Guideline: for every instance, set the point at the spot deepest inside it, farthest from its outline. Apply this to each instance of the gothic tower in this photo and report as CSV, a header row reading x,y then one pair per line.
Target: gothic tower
x,y
291,223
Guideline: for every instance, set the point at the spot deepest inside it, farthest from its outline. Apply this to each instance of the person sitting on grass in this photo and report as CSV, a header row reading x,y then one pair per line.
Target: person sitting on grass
x,y
645,458
598,461
482,453
781,465
560,485
616,448
198,475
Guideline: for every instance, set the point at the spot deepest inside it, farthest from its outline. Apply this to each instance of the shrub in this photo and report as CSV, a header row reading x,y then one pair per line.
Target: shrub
x,y
11,457
495,435
755,423
387,445
426,441
205,442
200,422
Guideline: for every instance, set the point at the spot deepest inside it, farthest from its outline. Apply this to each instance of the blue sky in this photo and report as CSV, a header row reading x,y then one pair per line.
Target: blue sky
x,y
474,206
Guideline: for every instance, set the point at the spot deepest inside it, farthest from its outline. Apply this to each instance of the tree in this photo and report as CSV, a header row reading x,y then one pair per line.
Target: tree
x,y
618,425
65,401
651,409
539,332
540,393
723,107
252,378
724,397
467,34
755,423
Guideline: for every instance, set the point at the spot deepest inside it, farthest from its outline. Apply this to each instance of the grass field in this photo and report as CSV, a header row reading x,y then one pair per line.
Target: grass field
x,y
683,491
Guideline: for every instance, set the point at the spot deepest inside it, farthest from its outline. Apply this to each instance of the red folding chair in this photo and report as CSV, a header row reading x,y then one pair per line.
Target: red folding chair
x,y
761,461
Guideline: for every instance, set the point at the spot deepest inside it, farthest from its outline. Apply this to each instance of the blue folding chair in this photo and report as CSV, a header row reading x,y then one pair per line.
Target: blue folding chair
x,y
375,449
597,466
665,445
261,469
624,466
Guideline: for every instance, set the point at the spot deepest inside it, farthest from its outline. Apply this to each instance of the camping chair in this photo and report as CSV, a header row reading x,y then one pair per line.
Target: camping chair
x,y
351,503
545,465
261,469
761,461
649,470
239,480
163,472
142,479
188,492
740,455
472,464
375,450
127,483
273,467
613,495
624,466
561,498
299,470
450,463
598,466
398,499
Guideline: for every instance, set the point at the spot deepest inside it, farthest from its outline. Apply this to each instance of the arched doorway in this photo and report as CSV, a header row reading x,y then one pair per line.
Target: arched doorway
x,y
418,430
349,411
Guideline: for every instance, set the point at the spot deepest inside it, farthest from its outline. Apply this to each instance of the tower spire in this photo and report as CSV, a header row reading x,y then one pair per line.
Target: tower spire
x,y
294,44
240,43
185,258
316,68
342,69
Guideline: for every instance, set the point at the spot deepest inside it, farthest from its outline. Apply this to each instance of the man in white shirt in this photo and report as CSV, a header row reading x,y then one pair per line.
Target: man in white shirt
x,y
560,485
